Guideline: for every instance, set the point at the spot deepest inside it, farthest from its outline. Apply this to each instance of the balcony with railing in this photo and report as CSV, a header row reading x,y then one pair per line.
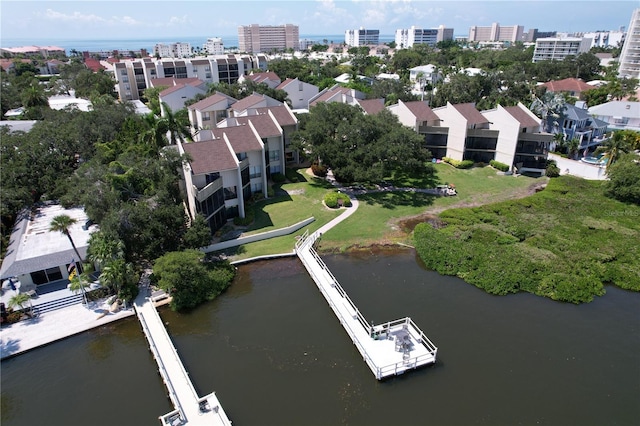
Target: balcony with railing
x,y
207,191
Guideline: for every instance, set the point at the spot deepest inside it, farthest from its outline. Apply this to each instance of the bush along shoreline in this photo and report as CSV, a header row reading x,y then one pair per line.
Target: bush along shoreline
x,y
565,243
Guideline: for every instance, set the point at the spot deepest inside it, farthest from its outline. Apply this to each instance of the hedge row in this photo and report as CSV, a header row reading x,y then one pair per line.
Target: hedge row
x,y
498,165
464,164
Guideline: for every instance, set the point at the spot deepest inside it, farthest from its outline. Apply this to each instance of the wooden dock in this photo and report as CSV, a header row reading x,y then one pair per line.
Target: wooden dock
x,y
189,408
388,349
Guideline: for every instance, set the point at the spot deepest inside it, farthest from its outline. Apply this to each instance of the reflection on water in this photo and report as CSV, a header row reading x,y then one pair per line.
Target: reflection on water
x,y
274,354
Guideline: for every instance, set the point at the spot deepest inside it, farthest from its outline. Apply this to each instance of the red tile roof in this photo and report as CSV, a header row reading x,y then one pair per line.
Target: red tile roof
x,y
210,156
567,85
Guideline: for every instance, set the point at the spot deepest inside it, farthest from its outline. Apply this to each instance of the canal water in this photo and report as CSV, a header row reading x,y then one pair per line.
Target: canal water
x,y
275,354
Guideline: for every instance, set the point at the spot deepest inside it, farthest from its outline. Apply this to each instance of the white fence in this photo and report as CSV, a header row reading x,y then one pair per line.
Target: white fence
x,y
257,237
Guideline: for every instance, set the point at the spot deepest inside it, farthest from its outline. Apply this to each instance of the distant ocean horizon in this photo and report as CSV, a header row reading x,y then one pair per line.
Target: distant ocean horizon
x,y
108,44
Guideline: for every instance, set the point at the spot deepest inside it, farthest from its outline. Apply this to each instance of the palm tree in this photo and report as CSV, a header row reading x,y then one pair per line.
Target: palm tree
x,y
572,147
80,283
103,248
62,223
177,124
614,147
550,108
19,300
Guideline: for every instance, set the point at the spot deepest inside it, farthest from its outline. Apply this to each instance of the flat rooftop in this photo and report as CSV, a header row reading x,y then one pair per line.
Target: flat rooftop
x,y
33,247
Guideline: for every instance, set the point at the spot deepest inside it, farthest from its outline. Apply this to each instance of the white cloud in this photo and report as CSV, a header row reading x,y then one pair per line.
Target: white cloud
x,y
74,17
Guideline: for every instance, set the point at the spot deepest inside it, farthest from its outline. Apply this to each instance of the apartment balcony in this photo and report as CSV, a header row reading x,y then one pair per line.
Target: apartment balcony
x,y
207,191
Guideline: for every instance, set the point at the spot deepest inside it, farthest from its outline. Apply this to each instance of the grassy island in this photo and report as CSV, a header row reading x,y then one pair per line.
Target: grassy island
x,y
566,243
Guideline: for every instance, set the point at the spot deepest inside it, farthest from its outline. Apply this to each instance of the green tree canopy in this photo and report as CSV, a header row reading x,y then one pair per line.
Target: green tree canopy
x,y
624,179
189,279
360,147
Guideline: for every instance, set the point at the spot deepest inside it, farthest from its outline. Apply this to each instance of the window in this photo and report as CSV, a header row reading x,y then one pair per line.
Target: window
x,y
274,155
255,172
230,193
210,177
256,187
241,155
206,116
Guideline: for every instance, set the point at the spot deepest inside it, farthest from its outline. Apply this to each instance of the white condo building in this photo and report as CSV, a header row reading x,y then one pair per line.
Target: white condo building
x,y
134,76
496,33
406,38
558,48
172,50
630,55
255,38
213,46
361,37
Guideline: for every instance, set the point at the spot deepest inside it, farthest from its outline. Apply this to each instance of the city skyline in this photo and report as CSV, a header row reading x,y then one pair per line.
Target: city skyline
x,y
116,19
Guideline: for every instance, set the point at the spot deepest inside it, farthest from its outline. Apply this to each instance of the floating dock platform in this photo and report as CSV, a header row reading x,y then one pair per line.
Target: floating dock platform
x,y
389,348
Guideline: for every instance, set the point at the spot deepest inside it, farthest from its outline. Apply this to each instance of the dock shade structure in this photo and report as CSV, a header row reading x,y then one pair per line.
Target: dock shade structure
x,y
389,348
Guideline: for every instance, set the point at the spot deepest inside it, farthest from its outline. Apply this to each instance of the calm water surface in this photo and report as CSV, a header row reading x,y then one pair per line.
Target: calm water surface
x,y
275,354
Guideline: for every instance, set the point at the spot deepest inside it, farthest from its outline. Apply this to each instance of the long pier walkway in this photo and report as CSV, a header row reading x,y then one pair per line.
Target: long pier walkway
x,y
388,349
189,408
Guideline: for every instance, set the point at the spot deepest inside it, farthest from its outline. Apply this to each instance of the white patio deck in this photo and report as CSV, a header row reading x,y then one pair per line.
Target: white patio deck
x,y
388,349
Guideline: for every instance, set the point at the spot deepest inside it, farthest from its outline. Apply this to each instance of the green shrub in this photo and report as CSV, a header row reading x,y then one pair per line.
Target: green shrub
x,y
331,199
318,170
249,216
552,170
278,177
464,164
498,165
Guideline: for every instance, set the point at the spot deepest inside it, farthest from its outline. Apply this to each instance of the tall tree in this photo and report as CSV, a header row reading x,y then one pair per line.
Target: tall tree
x,y
62,223
550,108
614,147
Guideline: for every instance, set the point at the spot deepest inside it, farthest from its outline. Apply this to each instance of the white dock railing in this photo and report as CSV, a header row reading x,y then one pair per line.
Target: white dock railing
x,y
361,332
189,408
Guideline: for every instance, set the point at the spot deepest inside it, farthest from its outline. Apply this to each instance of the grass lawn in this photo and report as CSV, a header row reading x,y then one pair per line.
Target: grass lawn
x,y
376,220
566,243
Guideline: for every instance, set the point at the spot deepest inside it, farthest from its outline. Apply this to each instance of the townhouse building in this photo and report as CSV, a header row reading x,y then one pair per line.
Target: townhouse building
x,y
298,92
406,38
256,38
234,160
630,54
337,93
510,135
271,79
361,37
558,48
207,113
178,91
135,75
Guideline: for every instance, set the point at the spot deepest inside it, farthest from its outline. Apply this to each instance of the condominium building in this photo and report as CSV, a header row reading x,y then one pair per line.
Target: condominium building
x,y
172,50
604,39
630,55
558,48
235,159
510,135
267,38
406,38
496,33
213,46
361,37
134,76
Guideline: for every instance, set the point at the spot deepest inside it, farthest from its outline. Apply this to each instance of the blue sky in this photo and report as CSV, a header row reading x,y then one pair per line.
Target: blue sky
x,y
101,19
